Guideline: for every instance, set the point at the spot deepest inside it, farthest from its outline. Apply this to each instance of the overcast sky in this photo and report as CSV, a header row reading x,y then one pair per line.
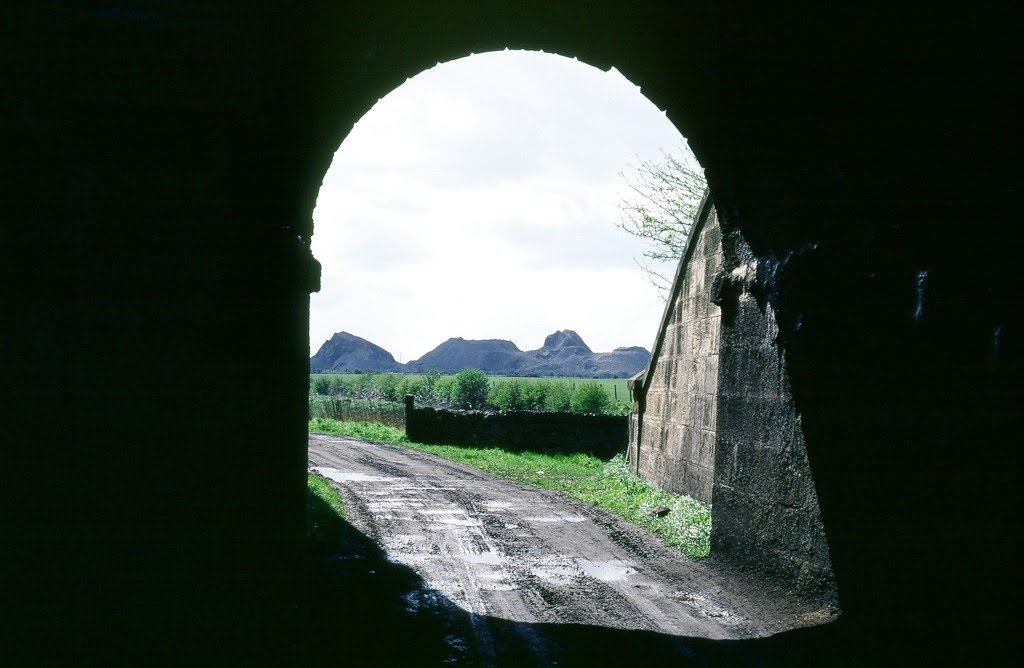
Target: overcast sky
x,y
479,199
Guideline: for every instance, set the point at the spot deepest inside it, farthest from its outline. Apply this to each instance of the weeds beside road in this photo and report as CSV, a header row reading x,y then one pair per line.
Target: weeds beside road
x,y
324,507
608,485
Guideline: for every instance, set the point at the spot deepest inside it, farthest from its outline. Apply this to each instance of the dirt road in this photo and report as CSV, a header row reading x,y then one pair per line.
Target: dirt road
x,y
499,550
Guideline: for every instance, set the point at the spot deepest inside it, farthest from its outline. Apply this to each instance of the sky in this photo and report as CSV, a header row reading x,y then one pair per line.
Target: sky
x,y
479,199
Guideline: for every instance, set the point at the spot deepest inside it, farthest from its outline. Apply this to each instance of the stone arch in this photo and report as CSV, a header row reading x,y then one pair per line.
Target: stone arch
x,y
616,40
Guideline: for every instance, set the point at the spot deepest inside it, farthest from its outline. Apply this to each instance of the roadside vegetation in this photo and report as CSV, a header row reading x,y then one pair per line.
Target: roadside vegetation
x,y
609,485
391,413
324,507
378,397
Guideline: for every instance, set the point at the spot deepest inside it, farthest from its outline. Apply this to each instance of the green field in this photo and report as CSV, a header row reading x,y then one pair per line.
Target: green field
x,y
615,387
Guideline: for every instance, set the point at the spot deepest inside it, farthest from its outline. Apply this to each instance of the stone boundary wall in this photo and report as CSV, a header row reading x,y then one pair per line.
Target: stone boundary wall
x,y
601,435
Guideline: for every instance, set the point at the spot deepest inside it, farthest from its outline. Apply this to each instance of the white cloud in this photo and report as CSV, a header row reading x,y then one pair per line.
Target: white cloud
x,y
479,200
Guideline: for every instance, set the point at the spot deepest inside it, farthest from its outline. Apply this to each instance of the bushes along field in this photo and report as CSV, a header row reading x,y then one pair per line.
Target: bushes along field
x,y
469,389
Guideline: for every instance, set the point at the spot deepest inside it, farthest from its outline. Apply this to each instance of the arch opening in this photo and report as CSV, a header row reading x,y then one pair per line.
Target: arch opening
x,y
386,210
490,186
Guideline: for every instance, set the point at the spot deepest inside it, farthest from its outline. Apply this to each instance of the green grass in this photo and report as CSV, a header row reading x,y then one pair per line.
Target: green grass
x,y
324,507
608,485
367,431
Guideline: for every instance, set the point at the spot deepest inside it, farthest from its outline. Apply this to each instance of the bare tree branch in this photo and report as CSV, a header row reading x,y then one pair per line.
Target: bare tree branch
x,y
661,208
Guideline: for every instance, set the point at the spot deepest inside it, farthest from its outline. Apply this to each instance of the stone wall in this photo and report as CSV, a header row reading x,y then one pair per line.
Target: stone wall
x,y
714,417
674,444
600,435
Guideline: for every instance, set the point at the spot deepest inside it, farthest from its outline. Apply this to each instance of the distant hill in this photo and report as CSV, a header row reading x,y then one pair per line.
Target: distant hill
x,y
456,354
563,344
346,352
564,353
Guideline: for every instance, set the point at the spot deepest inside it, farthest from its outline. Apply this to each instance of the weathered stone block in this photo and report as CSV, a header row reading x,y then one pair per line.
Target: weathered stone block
x,y
685,444
754,420
706,450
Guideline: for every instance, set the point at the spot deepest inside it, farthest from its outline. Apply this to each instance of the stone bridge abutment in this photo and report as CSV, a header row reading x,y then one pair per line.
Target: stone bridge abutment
x,y
715,417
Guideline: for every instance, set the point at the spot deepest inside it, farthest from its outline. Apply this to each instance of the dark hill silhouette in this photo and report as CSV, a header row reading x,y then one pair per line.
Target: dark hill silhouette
x,y
564,353
495,356
565,340
346,352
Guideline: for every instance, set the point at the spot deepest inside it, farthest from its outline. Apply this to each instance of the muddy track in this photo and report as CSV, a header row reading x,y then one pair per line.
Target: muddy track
x,y
501,550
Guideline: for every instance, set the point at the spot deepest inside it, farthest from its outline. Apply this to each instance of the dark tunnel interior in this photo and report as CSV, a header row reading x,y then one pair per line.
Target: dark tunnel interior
x,y
164,160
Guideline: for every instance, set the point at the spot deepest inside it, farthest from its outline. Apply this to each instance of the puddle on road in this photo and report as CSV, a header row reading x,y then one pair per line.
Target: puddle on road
x,y
555,573
555,569
557,518
563,570
406,558
392,504
489,558
338,475
703,606
498,505
456,522
606,571
453,516
402,486
490,569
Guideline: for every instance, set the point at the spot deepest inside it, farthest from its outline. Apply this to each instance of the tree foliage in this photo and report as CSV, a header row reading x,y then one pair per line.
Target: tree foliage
x,y
471,388
589,398
660,209
558,397
507,395
321,385
332,395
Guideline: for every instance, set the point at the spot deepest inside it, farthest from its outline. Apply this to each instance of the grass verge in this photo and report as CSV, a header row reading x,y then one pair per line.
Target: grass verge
x,y
608,485
324,507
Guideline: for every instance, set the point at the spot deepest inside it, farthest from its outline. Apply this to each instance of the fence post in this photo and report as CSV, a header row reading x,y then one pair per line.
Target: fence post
x,y
410,426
